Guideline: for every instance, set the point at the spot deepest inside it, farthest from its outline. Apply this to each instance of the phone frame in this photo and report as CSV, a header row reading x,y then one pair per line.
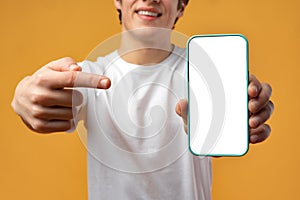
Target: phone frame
x,y
188,92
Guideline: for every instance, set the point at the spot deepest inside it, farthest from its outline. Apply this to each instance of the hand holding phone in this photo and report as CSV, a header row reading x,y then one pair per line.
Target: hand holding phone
x,y
217,70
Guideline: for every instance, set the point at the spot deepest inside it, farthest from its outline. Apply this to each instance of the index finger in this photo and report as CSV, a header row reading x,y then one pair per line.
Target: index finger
x,y
83,79
58,80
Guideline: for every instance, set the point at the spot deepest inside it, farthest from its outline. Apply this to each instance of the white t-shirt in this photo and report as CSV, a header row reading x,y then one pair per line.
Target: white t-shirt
x,y
137,147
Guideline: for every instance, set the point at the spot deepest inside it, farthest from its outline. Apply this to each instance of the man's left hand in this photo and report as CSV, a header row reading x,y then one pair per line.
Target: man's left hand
x,y
260,108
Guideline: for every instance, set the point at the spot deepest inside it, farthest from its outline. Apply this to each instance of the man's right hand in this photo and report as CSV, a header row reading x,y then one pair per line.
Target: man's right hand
x,y
45,100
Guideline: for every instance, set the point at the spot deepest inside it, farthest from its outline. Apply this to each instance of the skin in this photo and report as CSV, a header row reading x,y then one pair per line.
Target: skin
x,y
150,31
47,106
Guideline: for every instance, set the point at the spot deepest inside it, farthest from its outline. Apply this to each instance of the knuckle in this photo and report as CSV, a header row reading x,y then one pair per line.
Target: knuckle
x,y
271,105
39,126
67,60
71,77
37,112
40,79
269,88
13,104
267,112
267,129
38,97
252,77
268,115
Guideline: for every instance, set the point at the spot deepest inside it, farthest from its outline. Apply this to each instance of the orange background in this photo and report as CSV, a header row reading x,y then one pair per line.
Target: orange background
x,y
34,32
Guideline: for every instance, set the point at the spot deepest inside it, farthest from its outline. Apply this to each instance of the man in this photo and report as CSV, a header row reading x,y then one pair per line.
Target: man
x,y
136,151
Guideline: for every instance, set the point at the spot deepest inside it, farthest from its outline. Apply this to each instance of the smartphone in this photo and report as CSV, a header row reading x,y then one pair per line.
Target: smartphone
x,y
217,82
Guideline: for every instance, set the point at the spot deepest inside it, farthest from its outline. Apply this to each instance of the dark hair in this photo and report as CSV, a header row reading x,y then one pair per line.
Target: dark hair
x,y
178,7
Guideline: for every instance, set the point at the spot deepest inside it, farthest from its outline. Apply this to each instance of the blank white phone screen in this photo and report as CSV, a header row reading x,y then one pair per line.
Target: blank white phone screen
x,y
217,71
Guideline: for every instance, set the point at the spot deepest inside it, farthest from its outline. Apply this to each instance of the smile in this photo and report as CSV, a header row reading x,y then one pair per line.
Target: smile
x,y
148,13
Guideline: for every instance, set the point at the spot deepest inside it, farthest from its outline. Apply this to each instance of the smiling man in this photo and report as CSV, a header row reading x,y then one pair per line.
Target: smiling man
x,y
137,145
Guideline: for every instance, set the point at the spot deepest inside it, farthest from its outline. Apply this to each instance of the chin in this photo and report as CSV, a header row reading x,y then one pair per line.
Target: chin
x,y
150,32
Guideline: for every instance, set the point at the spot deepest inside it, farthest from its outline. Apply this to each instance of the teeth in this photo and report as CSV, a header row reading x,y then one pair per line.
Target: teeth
x,y
148,13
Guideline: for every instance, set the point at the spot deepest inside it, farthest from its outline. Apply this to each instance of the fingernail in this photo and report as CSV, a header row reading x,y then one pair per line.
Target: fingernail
x,y
254,105
254,88
74,67
179,110
253,138
103,83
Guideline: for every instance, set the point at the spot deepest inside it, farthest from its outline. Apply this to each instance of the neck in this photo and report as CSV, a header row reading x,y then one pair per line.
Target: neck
x,y
145,46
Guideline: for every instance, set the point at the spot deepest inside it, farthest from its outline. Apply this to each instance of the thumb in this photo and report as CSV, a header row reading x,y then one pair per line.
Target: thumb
x,y
63,64
182,109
